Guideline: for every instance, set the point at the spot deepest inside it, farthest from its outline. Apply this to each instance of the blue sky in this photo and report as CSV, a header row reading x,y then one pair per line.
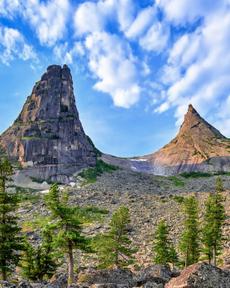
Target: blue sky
x,y
136,65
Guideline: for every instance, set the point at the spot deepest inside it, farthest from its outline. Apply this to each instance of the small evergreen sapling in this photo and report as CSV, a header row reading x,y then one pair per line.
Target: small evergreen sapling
x,y
40,262
68,225
164,252
214,217
190,242
10,240
115,247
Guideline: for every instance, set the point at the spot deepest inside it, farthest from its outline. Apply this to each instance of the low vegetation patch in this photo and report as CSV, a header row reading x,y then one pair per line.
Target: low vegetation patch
x,y
28,195
177,181
179,199
202,174
90,175
195,174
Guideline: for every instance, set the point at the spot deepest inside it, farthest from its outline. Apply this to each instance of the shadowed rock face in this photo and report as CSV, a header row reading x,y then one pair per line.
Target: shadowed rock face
x,y
197,147
47,138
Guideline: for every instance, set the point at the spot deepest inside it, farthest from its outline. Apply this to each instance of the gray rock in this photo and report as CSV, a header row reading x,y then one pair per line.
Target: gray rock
x,y
201,275
157,274
116,278
24,284
47,138
6,284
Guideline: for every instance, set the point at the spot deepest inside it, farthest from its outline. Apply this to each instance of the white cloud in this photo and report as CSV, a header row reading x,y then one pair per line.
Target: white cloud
x,y
156,38
142,21
115,69
201,60
8,8
125,10
12,44
94,16
89,17
47,18
66,55
185,11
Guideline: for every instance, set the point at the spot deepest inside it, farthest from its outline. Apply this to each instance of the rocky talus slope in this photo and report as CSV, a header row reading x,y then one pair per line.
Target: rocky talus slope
x,y
149,198
197,147
47,138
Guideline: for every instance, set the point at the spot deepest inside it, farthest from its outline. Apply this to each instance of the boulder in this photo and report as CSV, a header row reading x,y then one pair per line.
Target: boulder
x,y
201,275
157,274
58,281
107,278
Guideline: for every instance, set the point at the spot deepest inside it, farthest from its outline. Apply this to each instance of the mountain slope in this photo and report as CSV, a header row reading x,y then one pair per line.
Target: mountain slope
x,y
197,147
47,138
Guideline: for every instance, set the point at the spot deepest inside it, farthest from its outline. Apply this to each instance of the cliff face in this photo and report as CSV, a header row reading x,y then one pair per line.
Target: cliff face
x,y
47,138
198,144
197,147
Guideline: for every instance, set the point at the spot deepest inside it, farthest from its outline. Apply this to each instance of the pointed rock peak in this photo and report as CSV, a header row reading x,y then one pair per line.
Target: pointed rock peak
x,y
48,132
192,111
191,108
194,123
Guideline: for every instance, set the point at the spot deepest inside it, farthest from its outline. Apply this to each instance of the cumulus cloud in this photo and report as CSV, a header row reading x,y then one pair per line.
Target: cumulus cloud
x,y
111,61
91,17
156,38
201,60
8,8
47,18
12,44
66,55
94,16
142,21
186,11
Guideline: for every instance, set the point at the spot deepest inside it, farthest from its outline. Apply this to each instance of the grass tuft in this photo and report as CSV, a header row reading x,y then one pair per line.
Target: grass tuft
x,y
90,175
177,181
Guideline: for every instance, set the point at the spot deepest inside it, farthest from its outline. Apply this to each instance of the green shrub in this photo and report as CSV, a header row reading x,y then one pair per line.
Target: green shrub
x,y
195,174
177,181
90,175
179,199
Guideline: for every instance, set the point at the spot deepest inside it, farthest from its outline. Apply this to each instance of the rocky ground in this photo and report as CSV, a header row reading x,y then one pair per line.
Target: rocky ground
x,y
149,199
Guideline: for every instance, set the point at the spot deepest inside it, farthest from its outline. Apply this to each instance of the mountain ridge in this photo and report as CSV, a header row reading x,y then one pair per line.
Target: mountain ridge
x,y
48,140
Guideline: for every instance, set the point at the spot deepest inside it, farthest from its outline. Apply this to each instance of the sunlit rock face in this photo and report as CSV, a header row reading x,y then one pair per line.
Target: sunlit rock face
x,y
197,147
47,138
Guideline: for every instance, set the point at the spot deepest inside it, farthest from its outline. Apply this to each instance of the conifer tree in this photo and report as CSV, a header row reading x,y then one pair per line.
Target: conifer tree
x,y
10,241
189,242
163,248
67,225
39,261
115,247
213,221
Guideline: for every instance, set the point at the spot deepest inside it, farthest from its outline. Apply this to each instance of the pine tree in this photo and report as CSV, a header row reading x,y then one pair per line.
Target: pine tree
x,y
39,261
115,247
67,226
163,248
10,241
214,218
189,242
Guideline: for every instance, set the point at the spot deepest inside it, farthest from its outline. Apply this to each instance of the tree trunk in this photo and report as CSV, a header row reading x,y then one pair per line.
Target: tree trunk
x,y
116,259
214,255
70,264
4,276
186,259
